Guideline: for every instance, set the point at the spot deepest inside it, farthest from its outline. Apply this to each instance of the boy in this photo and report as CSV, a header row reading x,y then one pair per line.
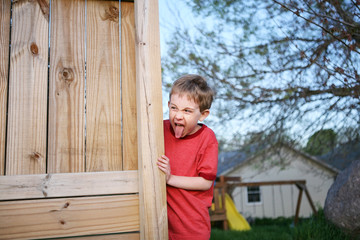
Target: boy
x,y
190,160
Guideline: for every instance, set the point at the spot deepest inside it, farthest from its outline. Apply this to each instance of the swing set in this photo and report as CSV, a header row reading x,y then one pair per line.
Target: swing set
x,y
224,183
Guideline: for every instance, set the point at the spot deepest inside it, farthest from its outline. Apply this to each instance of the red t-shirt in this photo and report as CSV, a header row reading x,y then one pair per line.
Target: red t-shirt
x,y
193,156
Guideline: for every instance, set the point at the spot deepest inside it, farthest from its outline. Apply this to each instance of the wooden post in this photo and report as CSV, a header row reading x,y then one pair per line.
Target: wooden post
x,y
223,197
310,200
152,191
298,204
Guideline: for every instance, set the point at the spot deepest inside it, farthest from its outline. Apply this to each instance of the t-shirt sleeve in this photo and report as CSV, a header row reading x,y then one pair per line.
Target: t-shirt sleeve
x,y
207,165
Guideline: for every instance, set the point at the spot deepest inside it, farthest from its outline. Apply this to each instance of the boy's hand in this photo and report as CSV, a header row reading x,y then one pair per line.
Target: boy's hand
x,y
164,165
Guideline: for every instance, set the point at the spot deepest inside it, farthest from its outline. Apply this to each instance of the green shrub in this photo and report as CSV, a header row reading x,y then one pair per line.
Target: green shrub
x,y
318,228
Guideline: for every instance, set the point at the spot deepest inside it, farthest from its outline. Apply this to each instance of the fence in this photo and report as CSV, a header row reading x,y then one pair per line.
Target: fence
x,y
80,120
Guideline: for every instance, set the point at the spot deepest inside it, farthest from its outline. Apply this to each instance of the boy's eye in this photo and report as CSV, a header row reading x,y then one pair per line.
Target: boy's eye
x,y
188,111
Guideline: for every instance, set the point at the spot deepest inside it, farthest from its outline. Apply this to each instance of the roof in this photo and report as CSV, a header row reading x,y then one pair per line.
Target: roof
x,y
228,161
342,156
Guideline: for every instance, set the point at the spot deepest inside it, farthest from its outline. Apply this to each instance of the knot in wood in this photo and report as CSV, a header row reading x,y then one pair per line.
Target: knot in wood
x,y
114,11
66,74
35,156
34,49
112,14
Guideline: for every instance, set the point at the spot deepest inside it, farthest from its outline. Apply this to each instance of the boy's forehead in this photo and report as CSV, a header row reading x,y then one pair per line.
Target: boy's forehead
x,y
181,97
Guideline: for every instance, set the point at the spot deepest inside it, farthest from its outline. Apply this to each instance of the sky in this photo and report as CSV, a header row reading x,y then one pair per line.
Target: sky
x,y
173,13
169,17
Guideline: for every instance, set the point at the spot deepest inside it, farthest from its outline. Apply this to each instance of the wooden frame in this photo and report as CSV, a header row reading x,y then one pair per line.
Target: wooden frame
x,y
64,197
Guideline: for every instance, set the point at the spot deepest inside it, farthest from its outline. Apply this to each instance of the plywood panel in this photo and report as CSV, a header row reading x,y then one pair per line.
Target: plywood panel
x,y
68,217
26,136
4,64
68,185
149,118
128,75
66,144
103,87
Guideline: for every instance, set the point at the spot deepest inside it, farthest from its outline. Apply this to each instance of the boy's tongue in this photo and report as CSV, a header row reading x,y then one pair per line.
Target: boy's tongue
x,y
179,131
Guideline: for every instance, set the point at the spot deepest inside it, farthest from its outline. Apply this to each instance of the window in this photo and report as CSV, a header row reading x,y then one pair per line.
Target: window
x,y
253,194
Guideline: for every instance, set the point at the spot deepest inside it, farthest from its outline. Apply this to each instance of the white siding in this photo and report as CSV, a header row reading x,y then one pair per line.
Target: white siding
x,y
281,200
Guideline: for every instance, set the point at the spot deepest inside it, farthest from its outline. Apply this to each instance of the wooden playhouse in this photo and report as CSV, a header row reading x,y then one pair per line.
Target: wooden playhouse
x,y
81,120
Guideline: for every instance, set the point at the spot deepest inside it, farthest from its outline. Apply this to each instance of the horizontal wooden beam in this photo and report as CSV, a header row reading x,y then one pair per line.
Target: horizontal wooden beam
x,y
229,179
267,183
121,236
68,184
61,217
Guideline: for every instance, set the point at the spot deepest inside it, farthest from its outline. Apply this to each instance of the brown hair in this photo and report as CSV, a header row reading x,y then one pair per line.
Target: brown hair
x,y
197,89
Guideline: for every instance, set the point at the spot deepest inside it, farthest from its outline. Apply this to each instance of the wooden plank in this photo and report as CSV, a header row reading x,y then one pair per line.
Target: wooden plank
x,y
103,87
68,185
4,66
122,236
66,142
27,113
153,211
68,217
128,76
267,183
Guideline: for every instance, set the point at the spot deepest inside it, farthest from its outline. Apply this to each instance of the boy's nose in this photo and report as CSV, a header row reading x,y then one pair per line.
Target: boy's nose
x,y
179,115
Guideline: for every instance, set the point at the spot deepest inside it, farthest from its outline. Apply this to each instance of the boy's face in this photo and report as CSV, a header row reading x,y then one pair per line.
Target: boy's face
x,y
184,115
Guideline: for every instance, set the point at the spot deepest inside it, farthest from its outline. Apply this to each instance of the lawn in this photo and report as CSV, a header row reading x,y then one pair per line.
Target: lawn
x,y
314,228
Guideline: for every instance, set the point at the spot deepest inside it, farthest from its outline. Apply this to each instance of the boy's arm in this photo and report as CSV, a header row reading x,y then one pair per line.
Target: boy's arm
x,y
188,183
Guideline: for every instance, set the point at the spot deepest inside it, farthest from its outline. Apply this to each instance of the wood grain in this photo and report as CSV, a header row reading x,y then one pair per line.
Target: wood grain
x,y
153,211
68,185
68,217
66,141
103,87
4,69
26,134
128,76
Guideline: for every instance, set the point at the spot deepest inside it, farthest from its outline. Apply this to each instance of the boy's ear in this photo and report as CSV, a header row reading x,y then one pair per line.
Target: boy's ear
x,y
204,114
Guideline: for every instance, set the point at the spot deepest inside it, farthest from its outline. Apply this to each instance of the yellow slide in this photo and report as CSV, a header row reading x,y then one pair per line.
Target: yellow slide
x,y
235,219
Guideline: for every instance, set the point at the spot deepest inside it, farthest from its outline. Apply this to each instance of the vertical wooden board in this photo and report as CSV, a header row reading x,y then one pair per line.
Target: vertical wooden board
x,y
128,76
103,87
152,191
4,65
26,134
66,140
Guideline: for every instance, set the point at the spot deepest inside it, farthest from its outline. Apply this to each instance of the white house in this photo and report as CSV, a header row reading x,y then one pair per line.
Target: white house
x,y
282,163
